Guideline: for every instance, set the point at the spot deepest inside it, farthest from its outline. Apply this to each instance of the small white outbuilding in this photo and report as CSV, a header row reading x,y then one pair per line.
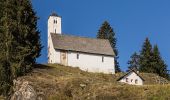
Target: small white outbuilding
x,y
132,78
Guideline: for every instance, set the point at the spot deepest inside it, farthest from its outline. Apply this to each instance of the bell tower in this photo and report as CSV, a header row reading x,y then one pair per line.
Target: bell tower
x,y
54,27
54,24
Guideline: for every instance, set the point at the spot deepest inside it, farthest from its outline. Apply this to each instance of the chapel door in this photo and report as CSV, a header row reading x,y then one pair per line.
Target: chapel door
x,y
63,58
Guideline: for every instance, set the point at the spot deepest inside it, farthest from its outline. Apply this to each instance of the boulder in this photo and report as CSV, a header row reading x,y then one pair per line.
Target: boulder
x,y
24,91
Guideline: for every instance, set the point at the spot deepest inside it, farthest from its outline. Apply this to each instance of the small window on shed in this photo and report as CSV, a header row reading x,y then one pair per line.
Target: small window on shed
x,y
102,58
136,81
77,56
126,79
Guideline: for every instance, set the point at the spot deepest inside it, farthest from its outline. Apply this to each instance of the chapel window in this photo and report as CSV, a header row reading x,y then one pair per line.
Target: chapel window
x,y
126,79
102,59
55,21
77,56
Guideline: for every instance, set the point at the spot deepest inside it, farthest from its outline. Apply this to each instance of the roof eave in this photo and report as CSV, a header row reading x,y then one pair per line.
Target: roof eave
x,y
85,52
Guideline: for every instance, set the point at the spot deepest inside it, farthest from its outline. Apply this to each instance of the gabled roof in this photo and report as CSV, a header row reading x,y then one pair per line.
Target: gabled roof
x,y
132,70
82,44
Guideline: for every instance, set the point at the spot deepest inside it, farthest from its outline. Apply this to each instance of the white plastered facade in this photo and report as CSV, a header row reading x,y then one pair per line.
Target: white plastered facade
x,y
132,78
86,61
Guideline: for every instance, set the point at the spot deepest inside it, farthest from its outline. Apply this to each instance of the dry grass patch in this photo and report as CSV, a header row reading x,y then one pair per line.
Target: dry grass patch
x,y
2,98
59,82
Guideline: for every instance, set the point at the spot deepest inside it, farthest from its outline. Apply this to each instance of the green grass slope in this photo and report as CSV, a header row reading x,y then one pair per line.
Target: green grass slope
x,y
66,83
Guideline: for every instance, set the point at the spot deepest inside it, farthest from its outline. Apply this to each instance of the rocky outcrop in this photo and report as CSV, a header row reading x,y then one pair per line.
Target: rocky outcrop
x,y
24,91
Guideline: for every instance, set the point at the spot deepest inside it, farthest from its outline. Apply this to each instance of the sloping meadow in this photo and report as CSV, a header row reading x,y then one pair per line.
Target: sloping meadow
x,y
57,82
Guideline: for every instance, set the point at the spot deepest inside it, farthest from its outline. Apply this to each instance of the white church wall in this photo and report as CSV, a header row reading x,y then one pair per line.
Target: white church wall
x,y
91,62
54,27
130,79
54,55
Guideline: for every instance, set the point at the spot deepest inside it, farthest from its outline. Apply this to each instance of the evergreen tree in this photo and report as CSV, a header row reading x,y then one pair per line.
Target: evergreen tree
x,y
146,57
151,60
27,37
19,40
134,62
159,65
106,32
6,39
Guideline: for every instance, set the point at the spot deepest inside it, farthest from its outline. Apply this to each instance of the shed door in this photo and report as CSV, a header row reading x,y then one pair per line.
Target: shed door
x,y
63,57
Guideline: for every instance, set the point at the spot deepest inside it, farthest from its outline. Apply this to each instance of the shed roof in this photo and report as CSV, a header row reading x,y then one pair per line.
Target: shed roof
x,y
132,70
82,44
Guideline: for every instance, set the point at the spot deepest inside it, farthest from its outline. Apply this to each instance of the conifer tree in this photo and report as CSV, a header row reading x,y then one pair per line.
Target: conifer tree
x,y
159,65
6,39
107,32
134,62
19,40
146,57
104,30
27,37
151,60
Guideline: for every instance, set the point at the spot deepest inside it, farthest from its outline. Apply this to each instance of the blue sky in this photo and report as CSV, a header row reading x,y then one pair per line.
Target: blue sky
x,y
132,20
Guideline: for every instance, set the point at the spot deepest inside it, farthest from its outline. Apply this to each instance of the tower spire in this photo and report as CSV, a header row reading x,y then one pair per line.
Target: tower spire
x,y
54,14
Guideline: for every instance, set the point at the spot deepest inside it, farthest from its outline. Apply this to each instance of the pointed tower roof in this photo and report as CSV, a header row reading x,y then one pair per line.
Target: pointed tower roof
x,y
55,14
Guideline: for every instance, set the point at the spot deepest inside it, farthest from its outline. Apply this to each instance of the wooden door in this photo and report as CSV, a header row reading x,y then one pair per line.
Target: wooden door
x,y
63,57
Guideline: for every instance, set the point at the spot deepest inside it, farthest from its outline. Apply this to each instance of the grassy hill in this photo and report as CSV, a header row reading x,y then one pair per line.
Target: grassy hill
x,y
61,82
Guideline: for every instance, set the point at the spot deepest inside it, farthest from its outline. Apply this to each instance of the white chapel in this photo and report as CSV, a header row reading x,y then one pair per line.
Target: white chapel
x,y
89,54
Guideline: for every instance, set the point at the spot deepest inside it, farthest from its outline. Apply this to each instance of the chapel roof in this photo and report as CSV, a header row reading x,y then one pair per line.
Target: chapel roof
x,y
82,44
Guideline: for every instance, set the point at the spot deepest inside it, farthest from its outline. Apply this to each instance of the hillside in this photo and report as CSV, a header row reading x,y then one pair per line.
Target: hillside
x,y
58,82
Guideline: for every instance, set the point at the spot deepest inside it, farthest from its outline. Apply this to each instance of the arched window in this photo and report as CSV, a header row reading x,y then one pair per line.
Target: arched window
x,y
55,21
136,81
55,30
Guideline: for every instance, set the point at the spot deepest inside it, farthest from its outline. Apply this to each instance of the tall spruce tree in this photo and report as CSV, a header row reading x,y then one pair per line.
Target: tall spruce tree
x,y
6,39
107,32
19,40
146,57
27,37
134,62
159,65
151,60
